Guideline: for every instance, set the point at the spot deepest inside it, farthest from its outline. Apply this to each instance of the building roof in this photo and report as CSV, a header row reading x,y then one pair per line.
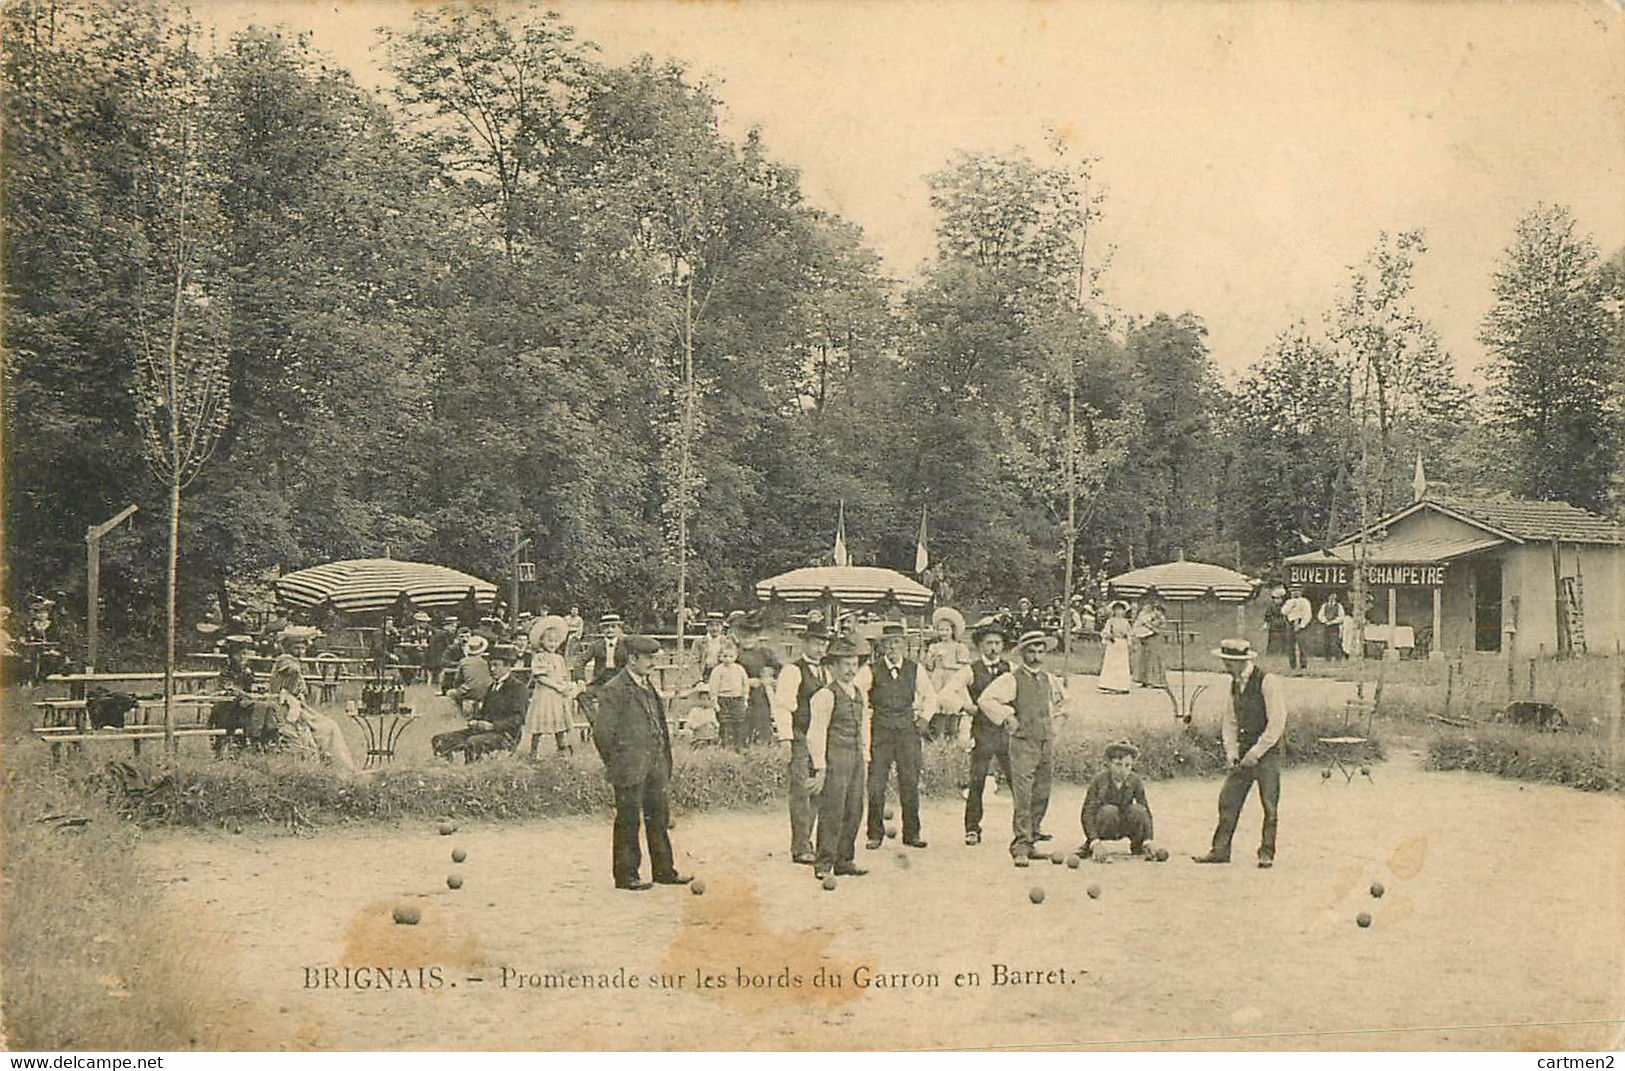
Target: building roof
x,y
1396,551
1525,519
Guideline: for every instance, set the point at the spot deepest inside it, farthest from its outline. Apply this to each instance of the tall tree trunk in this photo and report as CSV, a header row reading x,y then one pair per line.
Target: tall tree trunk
x,y
169,629
685,459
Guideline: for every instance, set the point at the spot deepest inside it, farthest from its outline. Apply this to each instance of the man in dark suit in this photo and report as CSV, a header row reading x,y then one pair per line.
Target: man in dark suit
x,y
607,655
631,736
501,714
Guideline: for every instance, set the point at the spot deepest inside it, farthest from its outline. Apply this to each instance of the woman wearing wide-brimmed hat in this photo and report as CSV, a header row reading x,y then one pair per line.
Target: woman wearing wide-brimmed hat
x,y
944,660
1114,639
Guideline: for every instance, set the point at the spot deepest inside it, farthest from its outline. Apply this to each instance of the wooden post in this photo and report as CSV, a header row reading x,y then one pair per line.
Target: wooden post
x,y
1437,648
1512,680
1392,653
1449,685
1532,673
1560,624
93,583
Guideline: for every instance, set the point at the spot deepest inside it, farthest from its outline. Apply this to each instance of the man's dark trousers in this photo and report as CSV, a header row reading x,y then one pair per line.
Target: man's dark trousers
x,y
1239,781
646,801
898,747
840,807
803,810
988,746
1133,822
1296,656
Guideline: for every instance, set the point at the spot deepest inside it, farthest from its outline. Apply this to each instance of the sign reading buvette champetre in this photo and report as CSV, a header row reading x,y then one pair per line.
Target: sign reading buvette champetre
x,y
1341,574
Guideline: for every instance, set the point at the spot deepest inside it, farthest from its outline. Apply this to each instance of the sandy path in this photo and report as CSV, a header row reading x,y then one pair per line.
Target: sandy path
x,y
1502,908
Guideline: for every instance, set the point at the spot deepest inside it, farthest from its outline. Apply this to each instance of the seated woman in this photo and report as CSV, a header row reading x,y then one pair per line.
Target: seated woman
x,y
298,724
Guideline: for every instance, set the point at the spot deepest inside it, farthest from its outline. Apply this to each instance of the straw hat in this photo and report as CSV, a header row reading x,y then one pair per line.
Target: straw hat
x,y
1037,638
1235,650
952,616
476,645
542,626
1121,747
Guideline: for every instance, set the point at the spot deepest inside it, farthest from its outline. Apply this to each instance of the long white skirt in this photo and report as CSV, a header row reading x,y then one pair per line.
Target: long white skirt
x,y
1114,671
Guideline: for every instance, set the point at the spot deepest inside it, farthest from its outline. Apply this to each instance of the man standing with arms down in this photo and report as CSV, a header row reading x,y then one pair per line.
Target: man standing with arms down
x,y
1026,701
985,739
1252,729
902,701
1299,615
631,735
837,739
791,717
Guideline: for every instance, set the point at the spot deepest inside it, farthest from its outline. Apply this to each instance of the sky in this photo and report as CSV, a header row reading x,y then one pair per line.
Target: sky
x,y
1251,151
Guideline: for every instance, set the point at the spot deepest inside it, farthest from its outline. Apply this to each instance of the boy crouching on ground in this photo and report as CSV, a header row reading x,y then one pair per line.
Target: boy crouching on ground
x,y
1115,805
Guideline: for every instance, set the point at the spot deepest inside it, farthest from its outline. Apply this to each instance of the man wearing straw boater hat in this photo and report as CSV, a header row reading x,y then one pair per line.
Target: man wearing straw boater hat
x,y
901,701
1252,729
1026,701
985,739
792,715
709,649
837,740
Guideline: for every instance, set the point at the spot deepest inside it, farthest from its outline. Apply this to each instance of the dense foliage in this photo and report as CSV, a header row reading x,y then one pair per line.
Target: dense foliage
x,y
464,306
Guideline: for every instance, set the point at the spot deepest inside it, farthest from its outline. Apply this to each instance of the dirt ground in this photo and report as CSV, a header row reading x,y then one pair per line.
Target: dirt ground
x,y
1500,928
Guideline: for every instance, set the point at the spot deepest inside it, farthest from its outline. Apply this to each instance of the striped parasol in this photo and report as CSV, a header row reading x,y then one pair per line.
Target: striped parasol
x,y
1184,581
853,585
370,584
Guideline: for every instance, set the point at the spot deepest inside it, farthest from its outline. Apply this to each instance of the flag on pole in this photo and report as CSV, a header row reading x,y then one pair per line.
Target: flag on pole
x,y
841,557
1419,482
921,558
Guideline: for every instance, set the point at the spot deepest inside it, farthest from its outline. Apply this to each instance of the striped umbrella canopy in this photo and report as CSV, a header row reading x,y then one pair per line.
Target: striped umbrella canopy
x,y
1184,581
371,584
850,584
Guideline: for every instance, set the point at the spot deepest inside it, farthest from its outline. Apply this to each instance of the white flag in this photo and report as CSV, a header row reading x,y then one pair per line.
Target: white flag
x,y
1419,482
841,557
921,558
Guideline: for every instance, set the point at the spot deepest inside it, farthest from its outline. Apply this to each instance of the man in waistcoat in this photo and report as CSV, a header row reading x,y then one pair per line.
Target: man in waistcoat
x,y
632,738
1252,730
837,740
901,703
792,715
986,741
1026,701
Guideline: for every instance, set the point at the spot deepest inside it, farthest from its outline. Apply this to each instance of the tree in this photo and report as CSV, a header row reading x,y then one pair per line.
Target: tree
x,y
1552,335
1176,386
182,398
1400,376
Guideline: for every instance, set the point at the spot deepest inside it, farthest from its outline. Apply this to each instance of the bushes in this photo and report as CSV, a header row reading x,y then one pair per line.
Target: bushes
x,y
1583,761
281,790
92,961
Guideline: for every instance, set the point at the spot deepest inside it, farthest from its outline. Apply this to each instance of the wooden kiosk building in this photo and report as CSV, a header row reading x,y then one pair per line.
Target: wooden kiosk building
x,y
1493,574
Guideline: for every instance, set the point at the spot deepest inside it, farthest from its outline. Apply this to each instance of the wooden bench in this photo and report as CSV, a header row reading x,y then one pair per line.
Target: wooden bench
x,y
57,736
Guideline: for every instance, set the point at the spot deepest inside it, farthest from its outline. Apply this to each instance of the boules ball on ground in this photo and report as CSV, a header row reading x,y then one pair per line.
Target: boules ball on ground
x,y
890,814
458,855
1094,892
1162,855
829,883
407,915
1074,861
454,881
697,887
1363,919
1057,858
1036,895
1377,890
447,828
891,832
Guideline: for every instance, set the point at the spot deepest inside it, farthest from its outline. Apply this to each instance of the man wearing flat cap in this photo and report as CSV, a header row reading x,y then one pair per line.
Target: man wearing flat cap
x,y
1252,729
1026,701
632,738
1115,806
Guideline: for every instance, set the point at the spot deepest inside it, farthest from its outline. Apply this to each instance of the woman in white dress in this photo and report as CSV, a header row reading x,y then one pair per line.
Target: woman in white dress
x,y
1114,638
552,693
944,659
